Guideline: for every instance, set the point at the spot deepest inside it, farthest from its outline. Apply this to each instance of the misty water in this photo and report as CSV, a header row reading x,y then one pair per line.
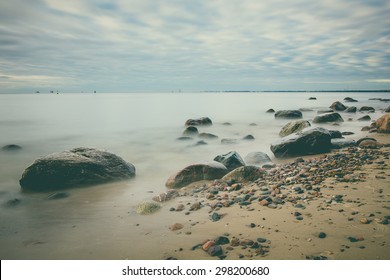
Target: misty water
x,y
142,129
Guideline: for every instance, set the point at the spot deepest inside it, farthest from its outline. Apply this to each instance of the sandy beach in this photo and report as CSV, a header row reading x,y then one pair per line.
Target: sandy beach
x,y
345,216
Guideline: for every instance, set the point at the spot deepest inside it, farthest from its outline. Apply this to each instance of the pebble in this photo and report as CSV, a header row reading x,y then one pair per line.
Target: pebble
x,y
322,235
221,240
215,217
215,251
261,240
176,226
364,221
206,246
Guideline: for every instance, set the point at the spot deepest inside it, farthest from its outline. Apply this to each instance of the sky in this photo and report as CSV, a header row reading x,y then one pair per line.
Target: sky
x,y
161,45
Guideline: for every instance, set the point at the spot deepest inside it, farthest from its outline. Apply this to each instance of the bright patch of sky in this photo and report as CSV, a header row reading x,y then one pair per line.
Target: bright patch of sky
x,y
148,45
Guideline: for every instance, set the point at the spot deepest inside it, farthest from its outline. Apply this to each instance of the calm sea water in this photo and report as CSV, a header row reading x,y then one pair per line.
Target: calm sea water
x,y
141,128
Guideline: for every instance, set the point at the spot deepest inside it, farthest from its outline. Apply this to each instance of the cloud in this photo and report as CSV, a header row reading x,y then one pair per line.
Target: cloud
x,y
133,45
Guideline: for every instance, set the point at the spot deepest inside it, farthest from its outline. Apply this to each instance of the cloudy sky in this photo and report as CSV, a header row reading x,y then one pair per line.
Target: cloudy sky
x,y
161,45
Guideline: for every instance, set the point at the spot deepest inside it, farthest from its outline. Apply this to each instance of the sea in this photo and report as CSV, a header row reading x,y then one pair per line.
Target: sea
x,y
143,128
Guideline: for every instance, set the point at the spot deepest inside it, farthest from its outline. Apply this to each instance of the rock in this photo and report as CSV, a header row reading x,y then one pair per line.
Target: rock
x,y
288,114
13,202
200,143
387,110
215,217
258,159
208,136
221,240
338,106
342,143
334,134
215,251
229,141
351,109
205,121
170,194
11,147
206,246
227,123
324,111
293,127
148,207
349,99
196,172
383,123
322,235
190,131
367,108
78,167
195,206
365,118
248,137
366,128
345,133
328,117
363,139
369,144
308,141
244,174
261,240
184,138
270,111
231,160
312,98
176,226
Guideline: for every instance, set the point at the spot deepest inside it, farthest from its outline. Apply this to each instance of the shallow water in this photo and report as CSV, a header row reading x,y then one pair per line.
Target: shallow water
x,y
96,222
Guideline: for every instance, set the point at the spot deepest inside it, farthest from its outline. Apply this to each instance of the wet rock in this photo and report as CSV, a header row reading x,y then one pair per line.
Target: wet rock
x,y
184,138
288,114
324,111
205,121
11,147
208,136
58,195
367,108
312,98
270,111
176,226
335,134
244,174
215,251
345,133
328,117
190,131
196,172
231,160
13,202
363,139
215,217
365,118
293,127
74,168
200,143
338,106
349,99
308,141
351,109
387,110
369,144
148,207
258,159
322,235
248,137
229,141
383,123
170,194
221,240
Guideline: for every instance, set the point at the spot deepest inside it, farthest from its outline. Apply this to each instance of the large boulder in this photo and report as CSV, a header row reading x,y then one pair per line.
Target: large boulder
x,y
244,174
200,121
196,172
75,168
288,114
338,106
383,123
293,127
257,159
231,160
308,141
328,117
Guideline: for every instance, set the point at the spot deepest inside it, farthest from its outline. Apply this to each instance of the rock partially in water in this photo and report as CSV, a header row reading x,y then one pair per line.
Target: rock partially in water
x,y
258,159
288,114
231,160
351,109
75,168
11,147
148,207
387,110
367,109
308,141
190,131
207,136
270,111
334,134
196,172
338,106
328,117
365,118
293,127
248,137
312,98
383,123
244,174
205,121
349,99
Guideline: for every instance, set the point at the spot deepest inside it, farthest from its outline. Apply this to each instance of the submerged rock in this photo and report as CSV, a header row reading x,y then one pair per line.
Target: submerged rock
x,y
208,136
338,106
201,121
367,108
328,117
351,109
231,160
308,141
349,99
190,131
75,168
288,114
293,127
196,172
11,147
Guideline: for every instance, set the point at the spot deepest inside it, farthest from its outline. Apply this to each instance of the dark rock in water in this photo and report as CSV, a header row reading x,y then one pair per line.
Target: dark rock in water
x,y
308,141
387,110
335,134
227,123
184,138
329,117
200,143
365,118
363,139
345,133
13,202
338,106
58,195
245,174
208,136
324,111
383,123
215,251
349,99
306,110
231,160
190,131
221,240
196,172
229,141
367,108
270,111
248,137
201,121
312,98
351,109
342,143
75,168
258,159
11,147
293,127
288,114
